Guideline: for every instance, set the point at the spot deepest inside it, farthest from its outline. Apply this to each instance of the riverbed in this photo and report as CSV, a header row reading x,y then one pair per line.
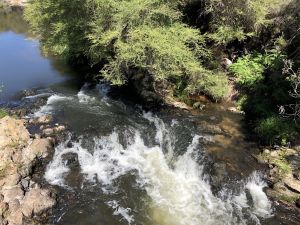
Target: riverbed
x,y
120,164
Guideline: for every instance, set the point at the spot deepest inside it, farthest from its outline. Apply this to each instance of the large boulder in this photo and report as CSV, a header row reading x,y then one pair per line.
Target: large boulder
x,y
37,201
13,132
12,193
38,148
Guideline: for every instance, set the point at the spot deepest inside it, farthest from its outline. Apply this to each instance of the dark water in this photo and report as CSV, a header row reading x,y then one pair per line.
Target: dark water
x,y
121,165
22,65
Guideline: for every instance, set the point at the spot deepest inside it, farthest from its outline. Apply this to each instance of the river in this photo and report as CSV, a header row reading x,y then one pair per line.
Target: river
x,y
119,164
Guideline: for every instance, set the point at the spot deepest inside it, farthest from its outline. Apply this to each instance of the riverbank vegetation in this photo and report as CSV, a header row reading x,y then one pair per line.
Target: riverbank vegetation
x,y
185,48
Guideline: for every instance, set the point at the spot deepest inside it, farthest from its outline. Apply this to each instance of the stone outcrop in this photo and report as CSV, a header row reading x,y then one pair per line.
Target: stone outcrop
x,y
14,3
21,198
284,164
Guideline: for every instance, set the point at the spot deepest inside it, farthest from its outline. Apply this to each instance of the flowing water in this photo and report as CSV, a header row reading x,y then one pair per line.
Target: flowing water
x,y
120,165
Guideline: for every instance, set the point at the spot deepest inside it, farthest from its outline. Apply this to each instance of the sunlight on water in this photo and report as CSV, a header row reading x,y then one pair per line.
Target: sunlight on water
x,y
176,185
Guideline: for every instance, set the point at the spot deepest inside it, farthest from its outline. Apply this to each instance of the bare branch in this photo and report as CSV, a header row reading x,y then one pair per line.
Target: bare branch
x,y
292,110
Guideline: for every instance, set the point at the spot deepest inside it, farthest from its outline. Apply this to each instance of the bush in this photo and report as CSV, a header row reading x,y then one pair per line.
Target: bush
x,y
275,129
248,70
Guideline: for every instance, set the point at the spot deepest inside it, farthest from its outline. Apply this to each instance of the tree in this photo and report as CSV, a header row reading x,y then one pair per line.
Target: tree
x,y
128,37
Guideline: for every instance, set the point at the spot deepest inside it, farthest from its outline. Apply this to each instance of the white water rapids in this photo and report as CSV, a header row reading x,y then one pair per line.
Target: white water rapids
x,y
178,190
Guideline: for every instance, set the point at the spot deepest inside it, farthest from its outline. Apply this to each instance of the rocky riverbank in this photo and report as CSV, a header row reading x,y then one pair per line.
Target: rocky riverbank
x,y
21,199
283,174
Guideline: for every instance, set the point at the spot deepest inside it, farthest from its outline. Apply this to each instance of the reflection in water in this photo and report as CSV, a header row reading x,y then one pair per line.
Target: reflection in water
x,y
12,20
21,62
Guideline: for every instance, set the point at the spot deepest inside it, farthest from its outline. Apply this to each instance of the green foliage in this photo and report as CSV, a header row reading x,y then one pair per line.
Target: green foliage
x,y
126,37
60,24
250,69
275,129
264,89
3,113
214,84
226,34
279,161
238,19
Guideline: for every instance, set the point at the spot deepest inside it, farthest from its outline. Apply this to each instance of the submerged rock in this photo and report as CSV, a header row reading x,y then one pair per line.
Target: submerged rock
x,y
71,160
42,120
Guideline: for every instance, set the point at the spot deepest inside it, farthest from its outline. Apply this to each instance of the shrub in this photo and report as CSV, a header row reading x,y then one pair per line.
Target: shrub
x,y
275,129
248,70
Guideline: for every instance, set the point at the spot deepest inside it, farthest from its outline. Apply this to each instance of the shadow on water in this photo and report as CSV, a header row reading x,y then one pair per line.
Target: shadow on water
x,y
22,63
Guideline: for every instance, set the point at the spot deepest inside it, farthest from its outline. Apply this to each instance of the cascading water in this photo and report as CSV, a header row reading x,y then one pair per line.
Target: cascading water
x,y
178,191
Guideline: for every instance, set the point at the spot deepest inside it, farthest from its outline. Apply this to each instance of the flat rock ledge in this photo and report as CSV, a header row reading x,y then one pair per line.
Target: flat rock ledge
x,y
21,199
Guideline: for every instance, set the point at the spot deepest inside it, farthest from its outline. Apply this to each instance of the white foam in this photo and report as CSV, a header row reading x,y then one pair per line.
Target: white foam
x,y
47,109
84,98
179,192
119,210
38,96
261,205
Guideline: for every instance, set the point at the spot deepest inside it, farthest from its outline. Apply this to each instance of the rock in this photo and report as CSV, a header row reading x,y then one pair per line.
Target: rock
x,y
296,174
292,183
3,207
18,154
15,218
274,154
267,151
235,110
289,151
17,3
213,118
14,205
226,63
198,105
25,183
59,129
218,175
10,180
297,203
33,184
37,136
12,131
37,148
29,92
44,119
37,201
48,131
258,158
210,128
71,159
12,193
